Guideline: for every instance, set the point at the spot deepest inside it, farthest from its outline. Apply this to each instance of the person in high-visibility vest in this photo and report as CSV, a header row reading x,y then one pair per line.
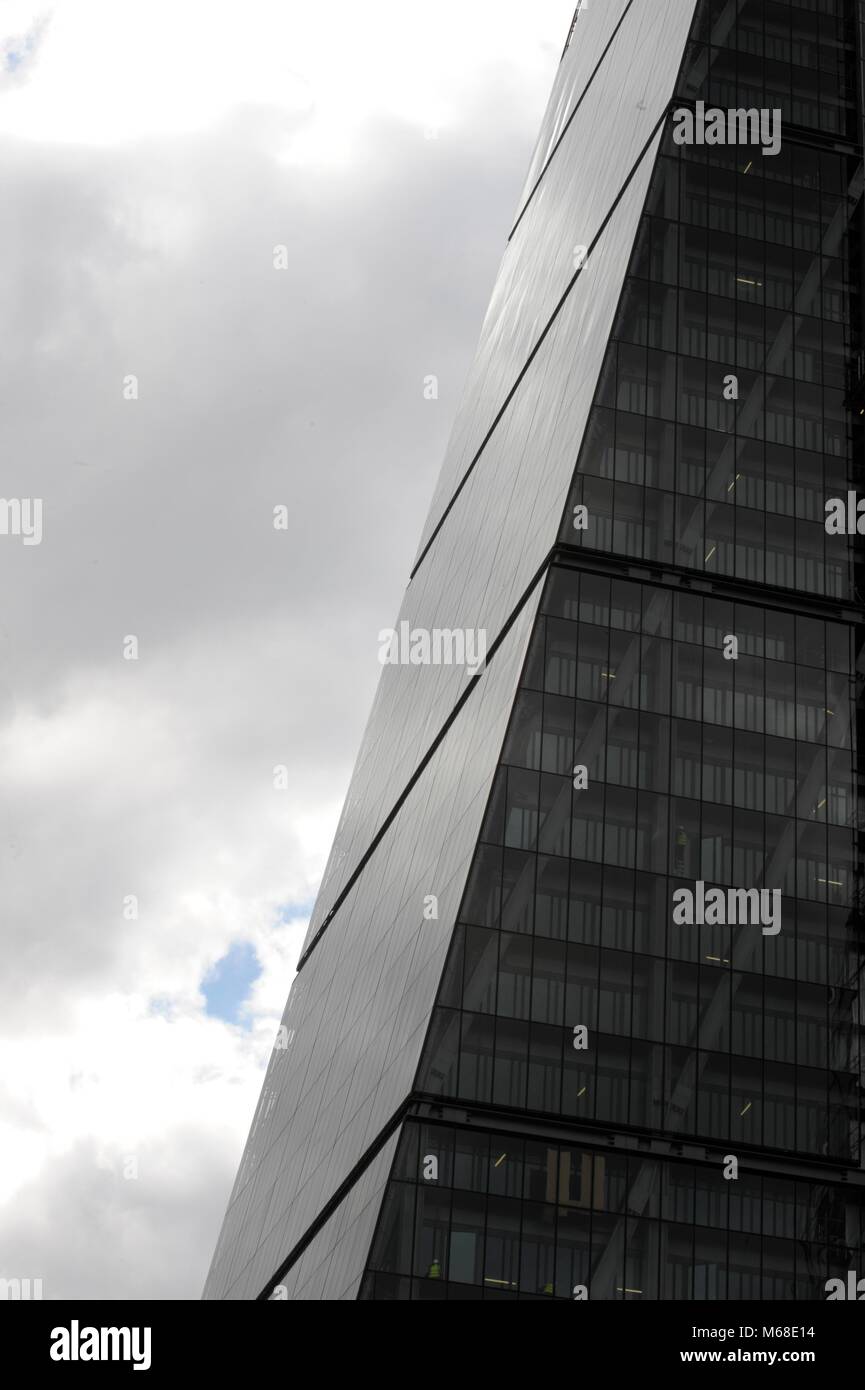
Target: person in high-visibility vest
x,y
435,1269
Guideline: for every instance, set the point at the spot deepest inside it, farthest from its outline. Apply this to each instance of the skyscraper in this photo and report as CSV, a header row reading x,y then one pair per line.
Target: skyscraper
x,y
577,1015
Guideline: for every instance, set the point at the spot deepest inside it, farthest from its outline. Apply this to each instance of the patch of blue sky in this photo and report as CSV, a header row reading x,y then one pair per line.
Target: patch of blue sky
x,y
227,985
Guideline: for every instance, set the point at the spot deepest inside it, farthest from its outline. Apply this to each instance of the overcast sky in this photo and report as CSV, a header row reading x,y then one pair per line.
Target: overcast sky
x,y
153,156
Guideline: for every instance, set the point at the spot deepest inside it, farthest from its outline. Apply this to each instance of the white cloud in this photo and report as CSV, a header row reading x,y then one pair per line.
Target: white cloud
x,y
110,72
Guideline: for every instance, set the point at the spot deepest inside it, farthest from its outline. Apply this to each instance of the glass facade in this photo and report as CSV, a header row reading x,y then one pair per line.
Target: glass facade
x,y
575,1081
744,274
729,772
646,755
507,1216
